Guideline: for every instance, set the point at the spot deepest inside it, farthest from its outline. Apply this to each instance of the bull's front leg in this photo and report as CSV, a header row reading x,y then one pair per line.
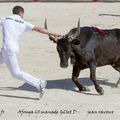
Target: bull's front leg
x,y
98,88
75,74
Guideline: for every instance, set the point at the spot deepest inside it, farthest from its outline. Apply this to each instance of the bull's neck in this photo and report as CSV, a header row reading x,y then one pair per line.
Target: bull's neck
x,y
78,50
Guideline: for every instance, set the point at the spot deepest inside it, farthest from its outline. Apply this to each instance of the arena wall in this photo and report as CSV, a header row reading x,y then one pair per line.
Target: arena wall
x,y
59,0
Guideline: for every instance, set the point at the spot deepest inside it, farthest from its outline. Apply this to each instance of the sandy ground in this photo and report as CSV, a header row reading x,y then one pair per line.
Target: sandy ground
x,y
38,56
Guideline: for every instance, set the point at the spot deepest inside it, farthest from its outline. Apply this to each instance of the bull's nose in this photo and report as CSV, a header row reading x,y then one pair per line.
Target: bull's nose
x,y
64,65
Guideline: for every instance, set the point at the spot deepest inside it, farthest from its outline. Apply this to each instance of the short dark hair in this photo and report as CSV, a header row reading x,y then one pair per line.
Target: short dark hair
x,y
17,9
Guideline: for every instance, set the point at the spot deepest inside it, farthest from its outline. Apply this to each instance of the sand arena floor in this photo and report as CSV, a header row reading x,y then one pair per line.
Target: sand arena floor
x,y
38,56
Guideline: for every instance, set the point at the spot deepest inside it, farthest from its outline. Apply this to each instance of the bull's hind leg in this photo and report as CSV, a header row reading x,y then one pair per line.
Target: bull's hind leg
x,y
75,74
117,67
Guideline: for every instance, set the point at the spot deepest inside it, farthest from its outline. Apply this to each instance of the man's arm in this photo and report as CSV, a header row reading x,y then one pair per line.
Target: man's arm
x,y
45,31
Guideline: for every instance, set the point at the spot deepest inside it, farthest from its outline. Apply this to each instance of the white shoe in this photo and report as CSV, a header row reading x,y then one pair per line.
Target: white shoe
x,y
41,87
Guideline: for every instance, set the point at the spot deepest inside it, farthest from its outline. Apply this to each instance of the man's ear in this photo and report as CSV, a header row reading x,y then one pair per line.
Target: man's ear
x,y
75,42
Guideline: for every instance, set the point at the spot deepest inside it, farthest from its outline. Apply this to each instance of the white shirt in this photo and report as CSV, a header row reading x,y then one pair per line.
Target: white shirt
x,y
13,26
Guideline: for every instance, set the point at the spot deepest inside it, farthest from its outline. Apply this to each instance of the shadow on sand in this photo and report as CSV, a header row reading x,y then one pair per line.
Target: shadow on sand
x,y
20,97
65,84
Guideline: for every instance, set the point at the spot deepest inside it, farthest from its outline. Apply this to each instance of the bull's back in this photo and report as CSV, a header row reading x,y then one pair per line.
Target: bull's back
x,y
108,49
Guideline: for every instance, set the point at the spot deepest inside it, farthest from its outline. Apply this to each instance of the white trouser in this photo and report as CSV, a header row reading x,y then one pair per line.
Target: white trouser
x,y
10,59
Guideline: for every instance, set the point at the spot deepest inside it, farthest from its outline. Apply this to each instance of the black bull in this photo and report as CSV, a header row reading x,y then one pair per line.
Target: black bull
x,y
88,48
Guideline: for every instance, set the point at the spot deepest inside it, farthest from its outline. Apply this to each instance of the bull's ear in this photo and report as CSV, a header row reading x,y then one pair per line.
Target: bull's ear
x,y
75,42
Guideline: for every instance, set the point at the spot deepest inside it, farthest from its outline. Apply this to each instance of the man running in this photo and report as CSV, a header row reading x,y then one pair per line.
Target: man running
x,y
12,27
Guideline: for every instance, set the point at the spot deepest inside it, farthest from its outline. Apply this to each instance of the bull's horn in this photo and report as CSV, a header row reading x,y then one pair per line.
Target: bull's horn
x,y
50,36
78,28
45,25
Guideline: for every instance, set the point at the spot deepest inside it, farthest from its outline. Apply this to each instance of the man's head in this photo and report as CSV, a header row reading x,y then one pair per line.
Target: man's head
x,y
18,10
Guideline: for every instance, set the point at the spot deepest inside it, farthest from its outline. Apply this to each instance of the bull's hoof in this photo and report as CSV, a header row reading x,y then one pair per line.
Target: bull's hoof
x,y
100,90
84,89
